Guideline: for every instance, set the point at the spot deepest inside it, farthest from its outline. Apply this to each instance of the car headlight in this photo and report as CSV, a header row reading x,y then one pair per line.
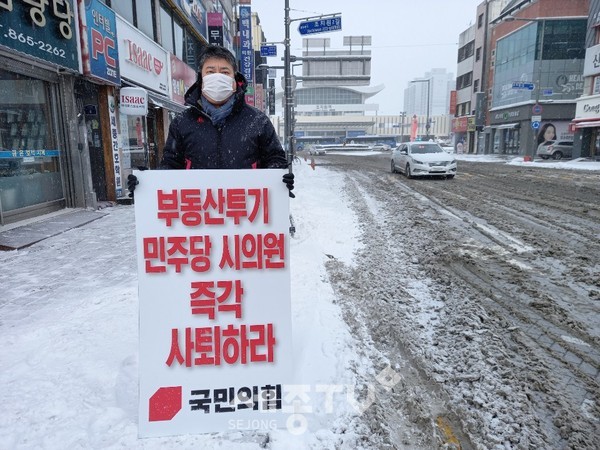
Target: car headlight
x,y
416,161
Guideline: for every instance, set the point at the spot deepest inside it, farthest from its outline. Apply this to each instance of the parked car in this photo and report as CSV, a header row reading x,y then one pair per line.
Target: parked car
x,y
381,147
317,150
555,149
417,159
448,148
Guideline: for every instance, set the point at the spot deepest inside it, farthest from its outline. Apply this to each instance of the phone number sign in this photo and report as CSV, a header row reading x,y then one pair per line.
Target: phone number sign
x,y
47,31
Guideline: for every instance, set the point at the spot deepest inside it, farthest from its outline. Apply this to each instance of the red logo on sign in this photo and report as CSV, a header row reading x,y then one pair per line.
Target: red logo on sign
x,y
165,403
158,66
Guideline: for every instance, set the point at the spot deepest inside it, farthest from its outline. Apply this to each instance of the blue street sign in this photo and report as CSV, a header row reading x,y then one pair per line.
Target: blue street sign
x,y
536,109
523,85
547,92
268,50
320,25
535,125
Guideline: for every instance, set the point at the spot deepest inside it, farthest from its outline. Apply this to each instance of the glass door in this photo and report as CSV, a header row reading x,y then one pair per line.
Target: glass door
x,y
30,169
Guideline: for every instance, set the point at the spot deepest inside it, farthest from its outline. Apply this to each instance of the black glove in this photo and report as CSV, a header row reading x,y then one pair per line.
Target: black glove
x,y
288,179
132,181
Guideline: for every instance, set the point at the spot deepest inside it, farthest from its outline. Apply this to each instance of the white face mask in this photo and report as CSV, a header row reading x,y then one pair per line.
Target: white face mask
x,y
217,87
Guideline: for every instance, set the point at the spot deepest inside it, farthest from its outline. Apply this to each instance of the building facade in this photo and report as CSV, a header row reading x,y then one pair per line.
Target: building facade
x,y
70,71
536,64
586,124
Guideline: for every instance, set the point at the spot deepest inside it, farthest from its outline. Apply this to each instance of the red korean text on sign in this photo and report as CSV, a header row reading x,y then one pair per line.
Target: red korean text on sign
x,y
177,251
213,206
253,251
207,297
213,346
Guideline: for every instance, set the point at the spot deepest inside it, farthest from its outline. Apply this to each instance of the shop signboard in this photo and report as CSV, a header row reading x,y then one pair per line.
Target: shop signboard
x,y
247,53
182,78
214,300
133,101
99,51
459,124
114,143
480,109
471,124
591,66
41,31
215,28
141,59
588,108
195,12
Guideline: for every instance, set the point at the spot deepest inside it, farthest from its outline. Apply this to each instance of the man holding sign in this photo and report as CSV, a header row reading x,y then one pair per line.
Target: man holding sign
x,y
219,130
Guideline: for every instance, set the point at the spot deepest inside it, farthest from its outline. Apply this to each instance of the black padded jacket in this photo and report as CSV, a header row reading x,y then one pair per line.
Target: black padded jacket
x,y
246,140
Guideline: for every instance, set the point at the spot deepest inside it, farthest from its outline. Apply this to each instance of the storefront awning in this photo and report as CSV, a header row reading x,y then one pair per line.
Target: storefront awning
x,y
507,125
165,102
587,124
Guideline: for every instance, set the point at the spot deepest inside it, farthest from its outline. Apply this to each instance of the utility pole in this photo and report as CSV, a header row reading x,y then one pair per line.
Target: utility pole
x,y
287,94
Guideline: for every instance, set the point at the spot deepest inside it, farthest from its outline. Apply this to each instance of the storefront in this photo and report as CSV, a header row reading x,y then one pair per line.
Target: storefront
x,y
100,63
586,126
41,169
515,132
586,123
505,131
144,64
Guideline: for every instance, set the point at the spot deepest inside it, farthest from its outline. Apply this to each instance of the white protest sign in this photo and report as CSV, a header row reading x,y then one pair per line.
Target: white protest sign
x,y
214,293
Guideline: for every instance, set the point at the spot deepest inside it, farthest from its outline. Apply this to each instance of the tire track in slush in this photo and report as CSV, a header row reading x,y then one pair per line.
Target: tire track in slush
x,y
565,395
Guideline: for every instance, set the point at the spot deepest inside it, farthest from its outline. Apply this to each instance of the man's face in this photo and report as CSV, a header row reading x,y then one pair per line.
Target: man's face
x,y
217,65
221,66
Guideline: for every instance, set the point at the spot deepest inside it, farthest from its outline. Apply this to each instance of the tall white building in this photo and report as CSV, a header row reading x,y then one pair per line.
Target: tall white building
x,y
433,88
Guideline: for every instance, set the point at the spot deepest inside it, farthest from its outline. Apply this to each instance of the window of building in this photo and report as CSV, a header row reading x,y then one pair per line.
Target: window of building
x,y
166,29
476,86
144,20
480,21
464,81
466,51
124,8
136,12
478,54
563,39
178,36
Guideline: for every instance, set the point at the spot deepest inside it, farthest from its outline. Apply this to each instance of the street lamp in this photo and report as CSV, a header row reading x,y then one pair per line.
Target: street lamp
x,y
427,124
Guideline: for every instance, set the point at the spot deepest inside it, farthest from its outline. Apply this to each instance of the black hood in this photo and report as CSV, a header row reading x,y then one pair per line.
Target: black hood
x,y
192,96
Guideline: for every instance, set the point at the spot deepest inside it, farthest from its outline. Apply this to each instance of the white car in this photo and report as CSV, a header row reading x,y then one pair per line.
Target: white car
x,y
417,159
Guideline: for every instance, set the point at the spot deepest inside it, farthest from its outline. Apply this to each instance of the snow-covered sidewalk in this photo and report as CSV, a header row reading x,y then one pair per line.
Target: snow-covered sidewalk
x,y
69,327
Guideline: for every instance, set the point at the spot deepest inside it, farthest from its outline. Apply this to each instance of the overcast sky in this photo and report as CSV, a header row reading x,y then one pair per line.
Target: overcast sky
x,y
410,37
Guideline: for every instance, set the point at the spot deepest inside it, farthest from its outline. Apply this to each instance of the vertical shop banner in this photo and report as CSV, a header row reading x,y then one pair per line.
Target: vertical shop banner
x,y
259,97
43,29
215,28
182,78
141,59
195,11
247,54
99,50
114,141
214,299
